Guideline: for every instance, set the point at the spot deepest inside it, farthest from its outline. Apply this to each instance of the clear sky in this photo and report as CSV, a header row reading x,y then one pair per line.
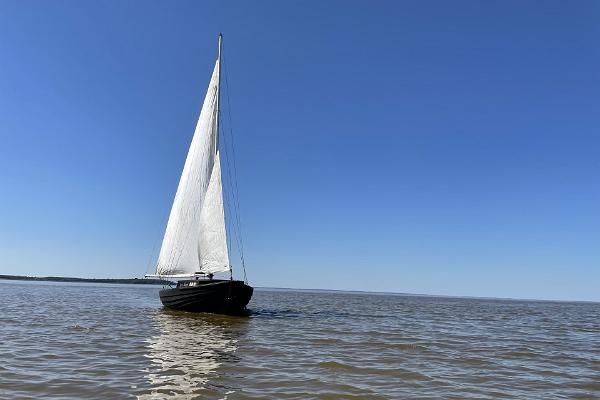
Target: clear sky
x,y
441,147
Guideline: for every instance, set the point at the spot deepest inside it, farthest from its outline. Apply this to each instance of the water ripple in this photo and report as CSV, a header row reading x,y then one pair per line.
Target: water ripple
x,y
114,341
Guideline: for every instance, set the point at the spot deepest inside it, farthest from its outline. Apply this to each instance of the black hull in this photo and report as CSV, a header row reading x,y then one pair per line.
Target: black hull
x,y
214,296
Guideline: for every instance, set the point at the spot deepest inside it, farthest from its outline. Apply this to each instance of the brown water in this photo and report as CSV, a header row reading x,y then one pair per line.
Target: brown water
x,y
115,341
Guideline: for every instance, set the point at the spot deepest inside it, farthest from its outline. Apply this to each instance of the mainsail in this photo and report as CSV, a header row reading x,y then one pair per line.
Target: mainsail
x,y
195,239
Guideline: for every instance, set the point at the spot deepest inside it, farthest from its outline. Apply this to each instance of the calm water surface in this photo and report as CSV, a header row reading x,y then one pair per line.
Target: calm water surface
x,y
115,341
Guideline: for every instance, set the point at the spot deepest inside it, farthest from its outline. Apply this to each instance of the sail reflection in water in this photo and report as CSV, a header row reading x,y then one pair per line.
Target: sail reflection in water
x,y
187,352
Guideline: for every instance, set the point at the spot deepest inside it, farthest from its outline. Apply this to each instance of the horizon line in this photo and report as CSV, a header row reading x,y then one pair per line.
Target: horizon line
x,y
43,278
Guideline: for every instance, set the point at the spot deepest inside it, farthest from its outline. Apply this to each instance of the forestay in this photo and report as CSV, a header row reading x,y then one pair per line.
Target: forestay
x,y
195,239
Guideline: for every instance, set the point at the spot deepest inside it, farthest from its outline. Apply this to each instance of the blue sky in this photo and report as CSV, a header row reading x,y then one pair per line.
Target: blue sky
x,y
419,146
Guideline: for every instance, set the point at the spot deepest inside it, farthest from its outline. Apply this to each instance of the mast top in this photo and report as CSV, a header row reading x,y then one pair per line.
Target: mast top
x,y
220,46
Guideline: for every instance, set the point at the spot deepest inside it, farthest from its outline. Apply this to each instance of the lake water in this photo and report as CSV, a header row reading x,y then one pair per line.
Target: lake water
x,y
116,341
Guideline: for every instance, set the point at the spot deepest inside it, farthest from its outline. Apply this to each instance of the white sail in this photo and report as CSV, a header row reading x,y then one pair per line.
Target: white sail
x,y
212,246
195,236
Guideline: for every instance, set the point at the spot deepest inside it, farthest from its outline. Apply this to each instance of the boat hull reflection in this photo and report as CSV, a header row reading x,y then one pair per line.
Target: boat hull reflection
x,y
188,351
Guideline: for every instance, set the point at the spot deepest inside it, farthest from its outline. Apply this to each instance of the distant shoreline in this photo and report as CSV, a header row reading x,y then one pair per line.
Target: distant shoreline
x,y
144,281
140,281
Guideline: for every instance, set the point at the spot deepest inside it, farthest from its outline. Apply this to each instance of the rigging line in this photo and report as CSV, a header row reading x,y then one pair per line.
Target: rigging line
x,y
226,196
228,213
153,254
153,251
238,213
229,247
229,193
232,143
230,184
237,205
233,148
229,202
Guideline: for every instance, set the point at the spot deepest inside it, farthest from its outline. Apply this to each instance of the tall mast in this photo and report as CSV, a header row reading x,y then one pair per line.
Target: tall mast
x,y
218,93
217,127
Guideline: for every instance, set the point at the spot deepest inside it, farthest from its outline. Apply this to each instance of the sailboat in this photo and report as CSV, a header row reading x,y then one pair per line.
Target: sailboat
x,y
194,247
